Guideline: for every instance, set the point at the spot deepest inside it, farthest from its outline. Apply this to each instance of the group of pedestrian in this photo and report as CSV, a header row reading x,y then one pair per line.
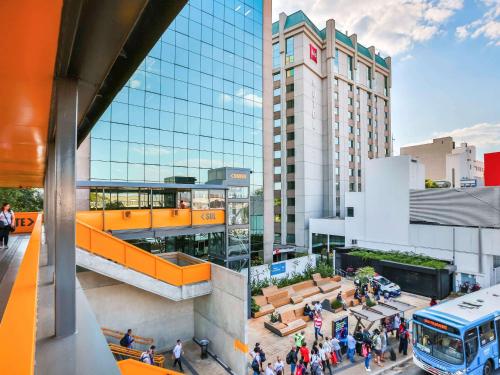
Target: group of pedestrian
x,y
325,354
147,356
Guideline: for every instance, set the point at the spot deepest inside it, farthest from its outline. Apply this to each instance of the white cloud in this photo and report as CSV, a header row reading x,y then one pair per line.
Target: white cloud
x,y
392,26
407,57
485,136
488,26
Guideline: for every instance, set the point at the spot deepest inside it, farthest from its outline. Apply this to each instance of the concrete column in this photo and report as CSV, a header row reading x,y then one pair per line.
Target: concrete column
x,y
65,173
50,204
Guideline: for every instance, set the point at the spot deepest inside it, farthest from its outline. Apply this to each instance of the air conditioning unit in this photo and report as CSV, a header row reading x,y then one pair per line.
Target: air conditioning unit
x,y
354,242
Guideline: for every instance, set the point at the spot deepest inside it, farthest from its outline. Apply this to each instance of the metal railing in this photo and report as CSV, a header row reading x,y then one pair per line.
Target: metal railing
x,y
18,325
133,367
105,245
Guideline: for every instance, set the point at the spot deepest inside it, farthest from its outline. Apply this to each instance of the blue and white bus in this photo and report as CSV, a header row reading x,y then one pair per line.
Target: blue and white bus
x,y
460,336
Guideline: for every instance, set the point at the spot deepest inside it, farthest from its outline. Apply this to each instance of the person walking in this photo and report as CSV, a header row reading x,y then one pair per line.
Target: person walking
x,y
377,346
269,369
385,339
304,354
324,355
279,366
301,368
177,352
149,355
404,336
298,338
291,359
256,361
368,355
318,322
315,363
351,347
358,336
7,225
127,340
336,348
396,324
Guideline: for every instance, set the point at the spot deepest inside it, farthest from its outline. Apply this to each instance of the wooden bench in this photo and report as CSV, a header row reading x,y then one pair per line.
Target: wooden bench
x,y
325,284
119,335
265,308
121,351
306,288
288,323
348,297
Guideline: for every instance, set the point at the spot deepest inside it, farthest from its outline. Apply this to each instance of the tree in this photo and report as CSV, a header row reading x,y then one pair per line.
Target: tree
x,y
22,200
430,184
363,274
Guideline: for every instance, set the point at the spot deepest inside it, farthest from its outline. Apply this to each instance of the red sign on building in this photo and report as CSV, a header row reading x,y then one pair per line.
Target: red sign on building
x,y
492,169
313,53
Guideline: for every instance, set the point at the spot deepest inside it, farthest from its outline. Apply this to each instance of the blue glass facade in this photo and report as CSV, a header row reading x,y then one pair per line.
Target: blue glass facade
x,y
195,102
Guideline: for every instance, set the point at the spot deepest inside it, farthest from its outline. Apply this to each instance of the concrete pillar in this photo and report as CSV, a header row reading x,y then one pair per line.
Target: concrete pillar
x,y
65,174
49,204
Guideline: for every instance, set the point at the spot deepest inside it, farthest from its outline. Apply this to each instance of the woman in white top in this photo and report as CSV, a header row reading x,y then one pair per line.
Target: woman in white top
x,y
279,366
7,223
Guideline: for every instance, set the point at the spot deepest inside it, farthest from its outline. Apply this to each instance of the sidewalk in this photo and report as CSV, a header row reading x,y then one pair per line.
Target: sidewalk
x,y
347,368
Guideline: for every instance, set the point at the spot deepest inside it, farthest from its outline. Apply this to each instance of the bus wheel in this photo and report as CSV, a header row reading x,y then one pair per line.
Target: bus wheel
x,y
488,368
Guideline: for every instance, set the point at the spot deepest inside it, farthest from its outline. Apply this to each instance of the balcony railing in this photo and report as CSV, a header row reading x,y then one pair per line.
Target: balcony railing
x,y
18,326
105,245
146,218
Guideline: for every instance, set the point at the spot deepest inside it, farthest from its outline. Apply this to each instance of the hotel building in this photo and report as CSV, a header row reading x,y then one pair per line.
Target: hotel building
x,y
331,98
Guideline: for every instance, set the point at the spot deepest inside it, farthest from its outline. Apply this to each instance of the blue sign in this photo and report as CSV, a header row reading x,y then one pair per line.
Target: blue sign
x,y
278,268
340,328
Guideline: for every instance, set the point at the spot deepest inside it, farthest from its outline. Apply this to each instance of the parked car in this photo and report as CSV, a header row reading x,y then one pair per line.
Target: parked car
x,y
386,286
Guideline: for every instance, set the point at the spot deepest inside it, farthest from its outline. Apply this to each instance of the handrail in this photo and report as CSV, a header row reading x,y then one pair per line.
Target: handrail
x,y
18,325
133,367
130,256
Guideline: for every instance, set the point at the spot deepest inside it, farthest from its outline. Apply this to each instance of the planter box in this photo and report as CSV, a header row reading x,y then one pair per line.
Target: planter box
x,y
420,280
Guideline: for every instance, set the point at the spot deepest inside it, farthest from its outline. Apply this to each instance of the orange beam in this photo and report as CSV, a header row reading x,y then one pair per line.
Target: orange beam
x,y
30,33
18,326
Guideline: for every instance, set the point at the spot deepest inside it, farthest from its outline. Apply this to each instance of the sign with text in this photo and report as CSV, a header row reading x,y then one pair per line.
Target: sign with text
x,y
25,221
340,328
208,217
278,268
313,53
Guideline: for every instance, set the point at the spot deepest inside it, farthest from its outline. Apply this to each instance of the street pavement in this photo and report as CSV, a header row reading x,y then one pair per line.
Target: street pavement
x,y
410,369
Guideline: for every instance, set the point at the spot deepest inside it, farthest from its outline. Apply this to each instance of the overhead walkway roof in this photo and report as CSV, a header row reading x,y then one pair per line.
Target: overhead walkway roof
x,y
98,43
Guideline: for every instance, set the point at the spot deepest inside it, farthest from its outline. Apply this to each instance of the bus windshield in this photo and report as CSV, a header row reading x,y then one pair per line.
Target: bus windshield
x,y
439,345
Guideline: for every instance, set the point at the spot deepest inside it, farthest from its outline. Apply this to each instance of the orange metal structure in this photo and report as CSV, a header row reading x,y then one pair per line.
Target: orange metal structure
x,y
147,218
133,367
130,256
19,320
27,73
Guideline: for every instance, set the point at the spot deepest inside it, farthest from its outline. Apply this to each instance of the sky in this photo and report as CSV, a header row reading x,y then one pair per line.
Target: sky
x,y
445,62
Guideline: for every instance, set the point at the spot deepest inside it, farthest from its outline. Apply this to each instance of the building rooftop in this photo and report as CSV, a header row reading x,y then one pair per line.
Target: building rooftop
x,y
468,308
300,17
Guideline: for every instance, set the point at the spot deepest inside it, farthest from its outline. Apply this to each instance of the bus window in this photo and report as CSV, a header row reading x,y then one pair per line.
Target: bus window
x,y
471,345
487,333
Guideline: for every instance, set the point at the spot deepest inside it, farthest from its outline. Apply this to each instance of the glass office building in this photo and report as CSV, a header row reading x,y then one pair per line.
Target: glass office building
x,y
194,103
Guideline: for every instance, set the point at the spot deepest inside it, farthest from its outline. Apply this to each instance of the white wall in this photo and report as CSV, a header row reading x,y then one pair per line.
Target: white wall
x,y
297,265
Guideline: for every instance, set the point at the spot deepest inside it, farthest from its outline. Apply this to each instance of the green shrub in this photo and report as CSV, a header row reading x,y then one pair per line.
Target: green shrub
x,y
274,317
400,257
255,308
370,302
336,304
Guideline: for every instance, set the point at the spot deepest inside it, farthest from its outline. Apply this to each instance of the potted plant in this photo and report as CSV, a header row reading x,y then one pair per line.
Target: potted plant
x,y
274,317
336,306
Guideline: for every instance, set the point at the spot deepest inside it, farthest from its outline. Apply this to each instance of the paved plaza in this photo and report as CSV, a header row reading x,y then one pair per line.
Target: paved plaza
x,y
274,345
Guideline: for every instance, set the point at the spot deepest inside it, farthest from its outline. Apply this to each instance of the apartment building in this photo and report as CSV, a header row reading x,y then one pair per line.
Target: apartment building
x,y
445,161
331,98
